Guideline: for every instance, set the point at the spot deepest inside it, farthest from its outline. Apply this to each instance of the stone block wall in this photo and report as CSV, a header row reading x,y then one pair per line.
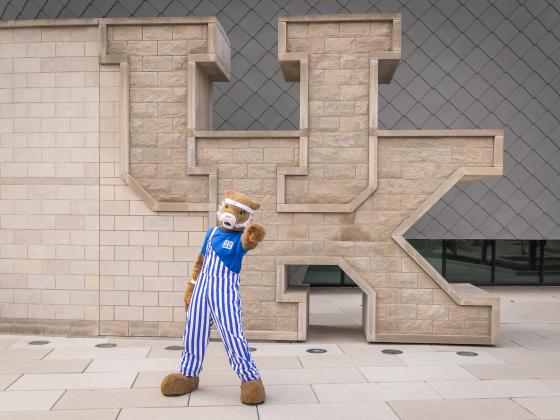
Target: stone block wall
x,y
49,177
111,175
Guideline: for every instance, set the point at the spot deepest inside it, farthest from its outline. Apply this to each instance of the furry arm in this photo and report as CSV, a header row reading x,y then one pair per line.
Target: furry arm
x,y
197,266
252,236
190,285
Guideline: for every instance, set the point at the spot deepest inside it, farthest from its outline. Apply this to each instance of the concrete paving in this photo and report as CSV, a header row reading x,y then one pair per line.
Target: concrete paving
x,y
70,378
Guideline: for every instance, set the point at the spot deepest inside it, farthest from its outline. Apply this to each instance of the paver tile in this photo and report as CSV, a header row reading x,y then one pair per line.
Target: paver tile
x,y
6,341
25,354
492,388
183,413
526,356
28,400
118,398
98,353
291,349
416,373
311,376
133,365
368,392
447,358
377,410
552,383
43,366
103,414
57,342
375,348
353,360
516,371
542,407
37,381
275,394
480,409
207,378
7,379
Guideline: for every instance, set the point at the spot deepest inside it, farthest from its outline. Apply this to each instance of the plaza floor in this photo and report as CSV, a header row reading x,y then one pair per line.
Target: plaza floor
x,y
71,378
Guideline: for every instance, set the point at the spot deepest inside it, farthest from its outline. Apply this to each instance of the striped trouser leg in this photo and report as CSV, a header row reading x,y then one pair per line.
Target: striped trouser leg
x,y
226,310
197,330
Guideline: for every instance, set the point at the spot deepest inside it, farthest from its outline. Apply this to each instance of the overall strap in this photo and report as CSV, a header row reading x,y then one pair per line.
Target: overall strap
x,y
213,231
208,244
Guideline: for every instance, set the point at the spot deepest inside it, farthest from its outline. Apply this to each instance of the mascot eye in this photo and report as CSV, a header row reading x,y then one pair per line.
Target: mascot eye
x,y
226,206
242,212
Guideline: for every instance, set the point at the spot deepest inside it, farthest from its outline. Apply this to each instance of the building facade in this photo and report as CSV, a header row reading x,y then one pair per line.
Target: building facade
x,y
104,206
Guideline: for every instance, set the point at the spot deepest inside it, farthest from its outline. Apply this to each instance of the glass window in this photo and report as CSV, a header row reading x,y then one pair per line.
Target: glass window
x,y
430,249
318,275
322,274
468,261
347,280
552,262
517,262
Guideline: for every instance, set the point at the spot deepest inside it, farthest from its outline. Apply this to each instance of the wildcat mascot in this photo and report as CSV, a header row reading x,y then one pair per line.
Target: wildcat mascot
x,y
212,296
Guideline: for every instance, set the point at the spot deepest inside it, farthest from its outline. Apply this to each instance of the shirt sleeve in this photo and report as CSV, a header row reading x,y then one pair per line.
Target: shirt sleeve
x,y
203,249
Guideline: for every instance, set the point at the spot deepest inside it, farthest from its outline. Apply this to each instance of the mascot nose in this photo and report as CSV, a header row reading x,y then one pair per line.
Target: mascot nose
x,y
228,220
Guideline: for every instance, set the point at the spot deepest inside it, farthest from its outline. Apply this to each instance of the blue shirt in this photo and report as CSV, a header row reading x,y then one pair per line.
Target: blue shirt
x,y
227,245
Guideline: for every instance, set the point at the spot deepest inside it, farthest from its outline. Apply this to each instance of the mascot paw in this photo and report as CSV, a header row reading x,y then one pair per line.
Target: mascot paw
x,y
177,384
252,392
255,232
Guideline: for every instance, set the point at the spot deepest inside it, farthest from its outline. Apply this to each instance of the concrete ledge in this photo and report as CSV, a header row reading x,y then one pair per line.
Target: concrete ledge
x,y
341,17
433,339
49,327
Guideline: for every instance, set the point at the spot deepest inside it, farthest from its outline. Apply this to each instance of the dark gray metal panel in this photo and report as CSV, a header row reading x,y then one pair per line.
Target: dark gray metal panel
x,y
465,64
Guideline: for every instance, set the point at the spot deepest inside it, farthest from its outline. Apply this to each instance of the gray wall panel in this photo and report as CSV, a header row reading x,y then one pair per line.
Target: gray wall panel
x,y
465,64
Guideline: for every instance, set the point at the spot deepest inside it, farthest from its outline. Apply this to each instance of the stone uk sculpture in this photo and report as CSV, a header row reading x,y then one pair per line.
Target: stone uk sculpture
x,y
337,191
149,167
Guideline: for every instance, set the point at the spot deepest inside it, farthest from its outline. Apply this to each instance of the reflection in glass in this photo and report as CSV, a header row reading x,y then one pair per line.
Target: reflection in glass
x,y
430,249
468,261
517,261
551,262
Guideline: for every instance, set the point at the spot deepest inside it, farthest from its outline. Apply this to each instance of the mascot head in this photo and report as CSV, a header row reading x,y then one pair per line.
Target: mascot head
x,y
236,211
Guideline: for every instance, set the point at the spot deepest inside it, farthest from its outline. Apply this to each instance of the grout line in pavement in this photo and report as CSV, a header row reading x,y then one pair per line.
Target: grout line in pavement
x,y
520,406
57,400
86,366
134,381
435,390
314,393
47,353
391,408
362,373
14,381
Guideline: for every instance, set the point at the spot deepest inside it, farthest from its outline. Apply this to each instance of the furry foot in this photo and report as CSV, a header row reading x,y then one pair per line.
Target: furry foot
x,y
252,392
177,384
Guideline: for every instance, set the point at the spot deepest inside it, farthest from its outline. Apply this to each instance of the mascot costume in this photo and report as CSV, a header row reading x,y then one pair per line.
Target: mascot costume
x,y
212,296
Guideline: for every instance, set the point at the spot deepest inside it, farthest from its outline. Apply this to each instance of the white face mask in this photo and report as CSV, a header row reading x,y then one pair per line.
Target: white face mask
x,y
229,221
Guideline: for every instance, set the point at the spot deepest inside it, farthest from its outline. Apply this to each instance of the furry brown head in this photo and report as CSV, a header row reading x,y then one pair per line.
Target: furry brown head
x,y
236,211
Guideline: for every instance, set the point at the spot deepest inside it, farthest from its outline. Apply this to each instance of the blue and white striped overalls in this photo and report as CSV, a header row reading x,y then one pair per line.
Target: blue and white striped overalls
x,y
216,300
